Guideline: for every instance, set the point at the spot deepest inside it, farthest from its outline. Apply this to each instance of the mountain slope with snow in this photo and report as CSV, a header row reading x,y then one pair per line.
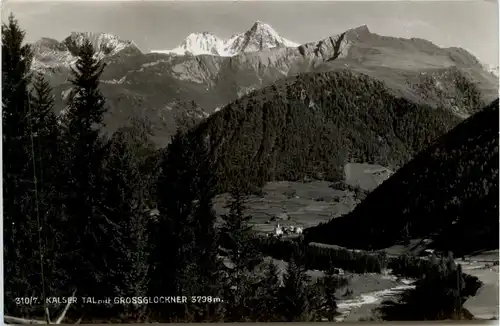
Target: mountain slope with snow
x,y
198,43
106,44
259,37
51,54
152,83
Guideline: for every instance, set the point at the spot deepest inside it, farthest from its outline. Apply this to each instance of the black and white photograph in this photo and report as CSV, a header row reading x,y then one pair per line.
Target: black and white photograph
x,y
250,161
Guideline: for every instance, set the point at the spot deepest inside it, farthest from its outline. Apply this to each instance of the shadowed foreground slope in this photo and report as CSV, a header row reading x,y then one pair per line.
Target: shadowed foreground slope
x,y
312,124
449,190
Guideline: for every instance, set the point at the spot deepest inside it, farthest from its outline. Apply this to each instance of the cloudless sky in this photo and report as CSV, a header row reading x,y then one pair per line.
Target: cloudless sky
x,y
158,25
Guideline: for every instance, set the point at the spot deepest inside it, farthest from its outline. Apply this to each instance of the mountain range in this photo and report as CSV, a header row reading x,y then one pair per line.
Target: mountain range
x,y
51,54
163,86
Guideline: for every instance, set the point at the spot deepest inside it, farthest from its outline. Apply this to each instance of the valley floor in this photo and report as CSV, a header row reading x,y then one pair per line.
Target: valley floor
x,y
310,203
294,203
307,204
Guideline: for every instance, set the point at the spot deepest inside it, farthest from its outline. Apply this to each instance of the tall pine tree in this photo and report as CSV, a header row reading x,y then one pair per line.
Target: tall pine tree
x,y
127,197
326,301
88,232
23,276
264,303
240,242
294,295
46,153
185,256
439,294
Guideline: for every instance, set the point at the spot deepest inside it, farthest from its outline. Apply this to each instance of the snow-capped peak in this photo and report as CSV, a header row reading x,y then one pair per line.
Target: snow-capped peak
x,y
260,36
198,43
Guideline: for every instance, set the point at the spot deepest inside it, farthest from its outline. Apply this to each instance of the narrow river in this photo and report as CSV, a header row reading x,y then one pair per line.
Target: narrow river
x,y
348,307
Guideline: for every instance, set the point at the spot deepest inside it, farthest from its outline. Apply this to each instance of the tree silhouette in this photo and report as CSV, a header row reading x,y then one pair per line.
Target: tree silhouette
x,y
87,228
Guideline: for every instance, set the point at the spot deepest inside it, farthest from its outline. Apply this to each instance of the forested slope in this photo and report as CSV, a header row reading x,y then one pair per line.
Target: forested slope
x,y
310,125
449,190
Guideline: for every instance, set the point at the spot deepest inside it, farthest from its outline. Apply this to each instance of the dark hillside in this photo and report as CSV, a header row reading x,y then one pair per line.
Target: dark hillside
x,y
310,125
463,91
450,189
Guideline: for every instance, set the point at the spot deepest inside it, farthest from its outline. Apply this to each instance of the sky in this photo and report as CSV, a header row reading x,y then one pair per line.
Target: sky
x,y
159,25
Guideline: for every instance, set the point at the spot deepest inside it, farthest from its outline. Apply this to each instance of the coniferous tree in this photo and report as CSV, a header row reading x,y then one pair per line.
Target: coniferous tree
x,y
189,114
185,254
238,238
207,266
173,237
88,231
21,238
237,234
46,133
46,155
328,286
43,120
126,206
265,302
438,295
293,296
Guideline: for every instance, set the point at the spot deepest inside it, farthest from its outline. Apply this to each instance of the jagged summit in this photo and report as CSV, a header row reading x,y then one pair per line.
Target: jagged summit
x,y
260,36
258,25
363,29
48,44
199,43
104,43
412,69
358,33
50,53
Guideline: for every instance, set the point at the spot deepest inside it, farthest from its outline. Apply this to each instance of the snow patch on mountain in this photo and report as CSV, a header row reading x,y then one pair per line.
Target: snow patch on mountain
x,y
245,90
198,43
259,37
50,53
115,81
105,44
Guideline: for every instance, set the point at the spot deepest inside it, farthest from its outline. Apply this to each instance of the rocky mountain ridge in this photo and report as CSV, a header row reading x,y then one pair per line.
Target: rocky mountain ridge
x,y
51,54
150,84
